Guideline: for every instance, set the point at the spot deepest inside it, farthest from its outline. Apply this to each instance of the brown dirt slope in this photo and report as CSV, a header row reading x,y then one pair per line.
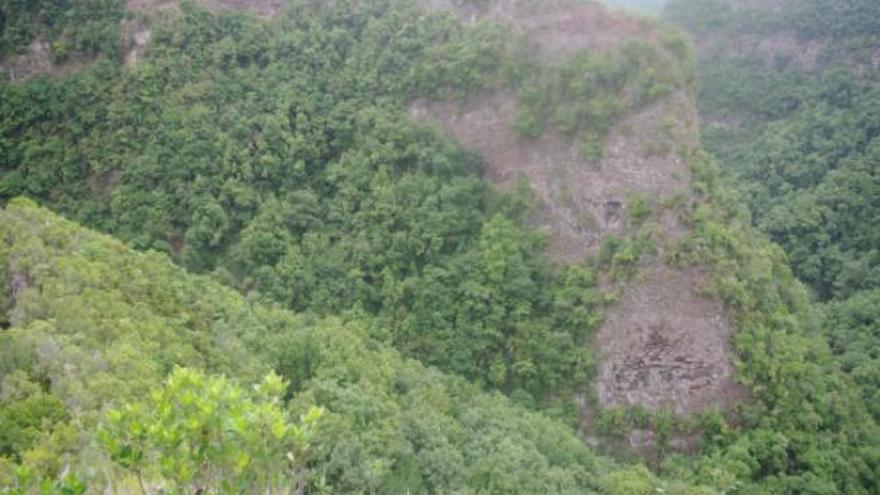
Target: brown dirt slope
x,y
580,202
664,344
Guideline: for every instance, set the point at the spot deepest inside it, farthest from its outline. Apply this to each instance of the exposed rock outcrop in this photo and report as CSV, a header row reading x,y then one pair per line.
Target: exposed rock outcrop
x,y
664,344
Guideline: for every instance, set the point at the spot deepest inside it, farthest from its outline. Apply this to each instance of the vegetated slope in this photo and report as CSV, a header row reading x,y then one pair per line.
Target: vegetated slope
x,y
802,143
91,324
598,123
44,37
279,157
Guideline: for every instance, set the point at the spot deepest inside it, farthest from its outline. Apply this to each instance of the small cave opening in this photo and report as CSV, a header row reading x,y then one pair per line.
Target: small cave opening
x,y
612,211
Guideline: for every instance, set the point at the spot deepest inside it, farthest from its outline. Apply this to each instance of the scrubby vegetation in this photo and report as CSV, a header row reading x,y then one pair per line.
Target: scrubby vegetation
x,y
285,224
582,96
98,327
310,188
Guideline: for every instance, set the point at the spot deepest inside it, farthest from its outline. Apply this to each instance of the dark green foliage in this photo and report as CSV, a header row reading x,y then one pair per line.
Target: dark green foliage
x,y
804,146
806,424
827,19
312,188
853,327
801,145
858,19
816,188
84,27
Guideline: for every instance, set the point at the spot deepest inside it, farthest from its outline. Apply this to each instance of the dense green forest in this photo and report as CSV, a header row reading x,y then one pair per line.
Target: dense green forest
x,y
85,27
312,189
802,145
307,292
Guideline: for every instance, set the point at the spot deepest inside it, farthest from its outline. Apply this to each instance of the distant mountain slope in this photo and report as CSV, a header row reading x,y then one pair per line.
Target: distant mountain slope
x,y
789,102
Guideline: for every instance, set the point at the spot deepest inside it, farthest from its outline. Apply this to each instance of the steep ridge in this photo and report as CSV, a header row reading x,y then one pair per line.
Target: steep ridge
x,y
664,344
801,145
280,159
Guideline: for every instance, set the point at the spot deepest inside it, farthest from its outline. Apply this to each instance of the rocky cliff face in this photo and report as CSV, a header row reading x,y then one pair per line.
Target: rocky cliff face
x,y
664,344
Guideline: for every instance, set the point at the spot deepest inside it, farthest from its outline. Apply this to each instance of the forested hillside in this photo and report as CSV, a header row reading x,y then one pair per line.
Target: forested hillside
x,y
422,247
93,323
793,112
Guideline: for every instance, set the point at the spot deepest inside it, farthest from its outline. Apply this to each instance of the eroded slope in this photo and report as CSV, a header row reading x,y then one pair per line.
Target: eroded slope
x,y
664,344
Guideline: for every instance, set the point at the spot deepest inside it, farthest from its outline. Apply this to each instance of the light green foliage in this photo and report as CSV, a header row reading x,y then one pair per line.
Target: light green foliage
x,y
205,434
393,426
23,482
621,256
635,481
640,208
26,413
122,320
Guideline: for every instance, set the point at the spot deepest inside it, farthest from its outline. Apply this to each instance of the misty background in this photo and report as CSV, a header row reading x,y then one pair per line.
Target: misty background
x,y
650,5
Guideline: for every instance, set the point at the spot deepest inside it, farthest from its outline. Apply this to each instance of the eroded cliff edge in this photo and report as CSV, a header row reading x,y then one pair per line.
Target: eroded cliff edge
x,y
665,343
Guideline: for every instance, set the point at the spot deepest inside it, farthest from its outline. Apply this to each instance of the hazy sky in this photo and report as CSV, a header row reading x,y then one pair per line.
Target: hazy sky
x,y
647,4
